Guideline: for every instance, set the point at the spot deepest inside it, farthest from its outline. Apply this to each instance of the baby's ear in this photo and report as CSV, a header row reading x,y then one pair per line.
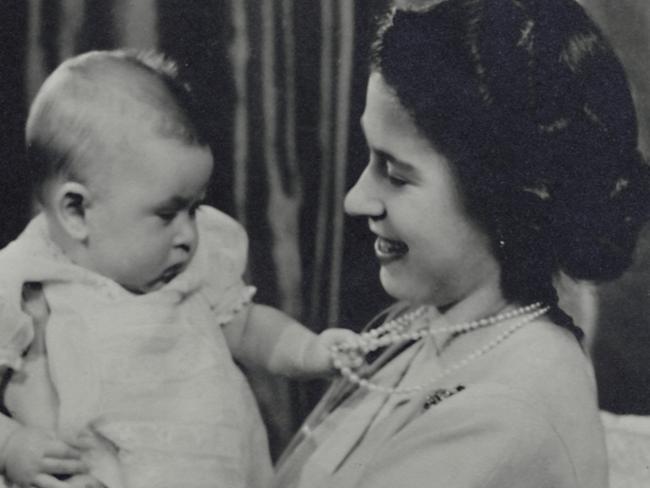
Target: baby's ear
x,y
71,202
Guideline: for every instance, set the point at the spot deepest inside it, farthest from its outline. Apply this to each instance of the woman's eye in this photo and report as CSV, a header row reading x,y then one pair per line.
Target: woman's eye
x,y
396,180
386,169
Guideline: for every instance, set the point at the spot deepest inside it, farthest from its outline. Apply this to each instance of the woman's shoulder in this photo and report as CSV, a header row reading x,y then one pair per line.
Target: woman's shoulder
x,y
544,367
543,356
541,390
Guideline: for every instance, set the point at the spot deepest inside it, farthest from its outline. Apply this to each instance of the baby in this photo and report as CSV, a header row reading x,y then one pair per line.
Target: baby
x,y
122,302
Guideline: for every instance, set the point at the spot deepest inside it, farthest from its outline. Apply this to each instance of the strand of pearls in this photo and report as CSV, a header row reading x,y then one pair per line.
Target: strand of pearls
x,y
391,334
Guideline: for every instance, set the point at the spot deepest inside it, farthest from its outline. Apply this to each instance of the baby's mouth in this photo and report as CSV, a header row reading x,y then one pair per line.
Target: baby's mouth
x,y
387,249
170,273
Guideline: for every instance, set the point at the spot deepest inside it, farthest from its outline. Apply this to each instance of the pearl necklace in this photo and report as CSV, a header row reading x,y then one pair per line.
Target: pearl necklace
x,y
392,333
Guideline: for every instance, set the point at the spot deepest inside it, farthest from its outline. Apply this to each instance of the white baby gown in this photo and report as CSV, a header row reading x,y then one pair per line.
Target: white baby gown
x,y
148,377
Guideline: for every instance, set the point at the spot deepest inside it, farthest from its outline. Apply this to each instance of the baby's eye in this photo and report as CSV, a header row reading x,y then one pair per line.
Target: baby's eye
x,y
166,215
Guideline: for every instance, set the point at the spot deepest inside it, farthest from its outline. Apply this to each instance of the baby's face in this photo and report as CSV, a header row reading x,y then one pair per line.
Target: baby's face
x,y
142,226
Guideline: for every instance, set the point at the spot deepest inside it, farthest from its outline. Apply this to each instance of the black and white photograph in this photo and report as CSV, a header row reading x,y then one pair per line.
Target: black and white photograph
x,y
325,244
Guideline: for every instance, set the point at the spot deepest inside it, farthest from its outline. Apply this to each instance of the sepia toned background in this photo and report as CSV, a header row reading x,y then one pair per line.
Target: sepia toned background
x,y
282,83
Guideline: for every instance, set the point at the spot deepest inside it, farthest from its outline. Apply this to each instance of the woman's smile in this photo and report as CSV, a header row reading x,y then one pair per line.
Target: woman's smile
x,y
388,250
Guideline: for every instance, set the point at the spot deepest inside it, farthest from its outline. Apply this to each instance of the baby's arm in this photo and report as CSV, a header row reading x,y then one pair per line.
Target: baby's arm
x,y
264,336
31,456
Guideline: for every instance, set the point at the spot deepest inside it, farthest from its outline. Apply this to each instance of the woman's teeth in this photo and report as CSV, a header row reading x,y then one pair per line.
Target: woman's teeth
x,y
386,248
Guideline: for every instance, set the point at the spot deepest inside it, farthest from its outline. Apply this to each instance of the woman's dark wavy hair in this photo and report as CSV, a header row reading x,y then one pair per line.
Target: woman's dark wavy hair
x,y
532,106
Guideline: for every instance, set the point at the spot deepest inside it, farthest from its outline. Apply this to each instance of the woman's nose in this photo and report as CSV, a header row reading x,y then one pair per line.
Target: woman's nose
x,y
364,199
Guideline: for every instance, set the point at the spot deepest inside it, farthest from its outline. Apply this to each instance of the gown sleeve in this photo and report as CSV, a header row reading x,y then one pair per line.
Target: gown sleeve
x,y
16,326
16,333
223,256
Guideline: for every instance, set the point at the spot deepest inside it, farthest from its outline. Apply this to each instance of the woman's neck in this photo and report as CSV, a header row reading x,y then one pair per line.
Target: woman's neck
x,y
482,302
486,301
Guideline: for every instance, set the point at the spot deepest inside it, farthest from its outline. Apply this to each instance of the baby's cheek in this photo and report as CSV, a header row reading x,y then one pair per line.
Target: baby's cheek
x,y
148,263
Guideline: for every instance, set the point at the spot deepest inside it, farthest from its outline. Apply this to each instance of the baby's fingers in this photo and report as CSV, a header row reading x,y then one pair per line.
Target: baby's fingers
x,y
348,359
47,481
63,466
60,458
61,450
335,337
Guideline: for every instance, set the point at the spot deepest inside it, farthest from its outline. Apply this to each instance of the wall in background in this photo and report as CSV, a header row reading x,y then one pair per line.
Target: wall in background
x,y
622,342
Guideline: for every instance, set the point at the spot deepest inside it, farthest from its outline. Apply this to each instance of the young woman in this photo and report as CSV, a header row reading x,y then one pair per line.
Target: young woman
x,y
503,152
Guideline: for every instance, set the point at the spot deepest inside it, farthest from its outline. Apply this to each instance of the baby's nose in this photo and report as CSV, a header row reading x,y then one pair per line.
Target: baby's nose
x,y
187,235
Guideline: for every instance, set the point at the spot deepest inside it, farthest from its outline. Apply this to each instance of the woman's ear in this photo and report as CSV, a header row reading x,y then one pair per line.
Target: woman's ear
x,y
71,202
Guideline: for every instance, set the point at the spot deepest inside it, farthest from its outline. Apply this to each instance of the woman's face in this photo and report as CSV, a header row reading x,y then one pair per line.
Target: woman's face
x,y
429,249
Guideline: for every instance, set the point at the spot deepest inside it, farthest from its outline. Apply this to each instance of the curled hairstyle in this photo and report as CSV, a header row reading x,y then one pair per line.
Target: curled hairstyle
x,y
532,107
78,111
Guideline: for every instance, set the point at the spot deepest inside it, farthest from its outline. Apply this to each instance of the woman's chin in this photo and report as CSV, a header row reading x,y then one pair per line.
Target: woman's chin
x,y
398,285
403,285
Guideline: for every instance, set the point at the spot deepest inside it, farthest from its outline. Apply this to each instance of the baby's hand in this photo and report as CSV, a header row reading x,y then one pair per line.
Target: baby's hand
x,y
32,457
318,357
84,481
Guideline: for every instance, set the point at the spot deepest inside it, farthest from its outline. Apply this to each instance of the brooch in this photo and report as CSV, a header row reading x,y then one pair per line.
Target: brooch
x,y
439,395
